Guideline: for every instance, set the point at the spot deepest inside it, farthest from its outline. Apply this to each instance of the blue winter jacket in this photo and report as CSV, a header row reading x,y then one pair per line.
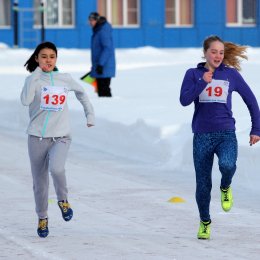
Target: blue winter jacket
x,y
102,50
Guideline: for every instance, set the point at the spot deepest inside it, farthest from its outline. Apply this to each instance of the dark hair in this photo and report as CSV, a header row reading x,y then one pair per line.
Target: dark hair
x,y
94,16
31,64
232,52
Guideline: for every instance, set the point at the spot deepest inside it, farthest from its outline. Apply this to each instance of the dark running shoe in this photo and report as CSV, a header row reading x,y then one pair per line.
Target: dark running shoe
x,y
43,230
66,210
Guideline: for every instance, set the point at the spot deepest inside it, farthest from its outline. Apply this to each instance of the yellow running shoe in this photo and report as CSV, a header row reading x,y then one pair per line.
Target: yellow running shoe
x,y
226,198
204,230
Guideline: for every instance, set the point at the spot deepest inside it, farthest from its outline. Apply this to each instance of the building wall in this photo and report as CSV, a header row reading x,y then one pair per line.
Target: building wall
x,y
209,18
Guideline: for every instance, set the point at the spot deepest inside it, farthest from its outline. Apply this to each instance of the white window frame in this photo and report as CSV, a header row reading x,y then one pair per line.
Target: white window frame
x,y
178,17
240,23
125,17
7,26
60,25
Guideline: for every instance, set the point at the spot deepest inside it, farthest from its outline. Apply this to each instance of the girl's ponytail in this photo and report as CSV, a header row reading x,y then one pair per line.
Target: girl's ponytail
x,y
233,54
31,63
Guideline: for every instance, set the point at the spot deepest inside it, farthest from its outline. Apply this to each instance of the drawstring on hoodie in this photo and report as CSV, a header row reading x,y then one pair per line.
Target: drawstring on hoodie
x,y
53,139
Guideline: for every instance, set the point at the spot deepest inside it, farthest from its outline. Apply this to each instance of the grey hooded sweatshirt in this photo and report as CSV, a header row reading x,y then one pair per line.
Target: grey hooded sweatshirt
x,y
48,109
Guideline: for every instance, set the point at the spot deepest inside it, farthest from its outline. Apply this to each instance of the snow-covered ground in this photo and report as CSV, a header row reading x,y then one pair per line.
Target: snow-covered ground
x,y
123,172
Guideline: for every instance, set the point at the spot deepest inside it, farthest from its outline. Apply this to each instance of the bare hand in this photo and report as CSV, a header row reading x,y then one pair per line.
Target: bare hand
x,y
254,139
207,76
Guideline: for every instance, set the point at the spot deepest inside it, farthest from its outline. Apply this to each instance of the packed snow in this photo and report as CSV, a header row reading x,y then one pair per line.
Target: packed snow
x,y
123,172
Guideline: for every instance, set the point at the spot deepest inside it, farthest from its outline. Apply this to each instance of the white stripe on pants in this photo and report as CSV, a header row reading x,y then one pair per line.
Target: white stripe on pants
x,y
48,154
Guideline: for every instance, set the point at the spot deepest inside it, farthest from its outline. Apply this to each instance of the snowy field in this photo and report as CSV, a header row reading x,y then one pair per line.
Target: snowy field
x,y
123,172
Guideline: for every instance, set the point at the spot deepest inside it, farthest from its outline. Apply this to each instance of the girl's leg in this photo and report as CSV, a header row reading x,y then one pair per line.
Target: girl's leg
x,y
58,155
38,153
227,154
203,155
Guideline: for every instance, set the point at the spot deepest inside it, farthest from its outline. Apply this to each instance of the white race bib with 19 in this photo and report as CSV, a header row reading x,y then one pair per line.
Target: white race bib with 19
x,y
215,91
53,98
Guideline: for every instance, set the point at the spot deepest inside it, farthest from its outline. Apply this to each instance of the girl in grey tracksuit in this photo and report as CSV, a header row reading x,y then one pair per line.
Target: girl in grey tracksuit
x,y
45,92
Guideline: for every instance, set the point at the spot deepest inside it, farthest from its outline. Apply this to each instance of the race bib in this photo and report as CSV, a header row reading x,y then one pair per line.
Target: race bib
x,y
53,98
215,91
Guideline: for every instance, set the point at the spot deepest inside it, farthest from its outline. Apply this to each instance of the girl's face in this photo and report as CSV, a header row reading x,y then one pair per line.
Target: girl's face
x,y
47,59
214,55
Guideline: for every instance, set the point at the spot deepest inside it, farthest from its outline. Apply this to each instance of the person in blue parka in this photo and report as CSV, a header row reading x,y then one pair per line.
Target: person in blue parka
x,y
102,53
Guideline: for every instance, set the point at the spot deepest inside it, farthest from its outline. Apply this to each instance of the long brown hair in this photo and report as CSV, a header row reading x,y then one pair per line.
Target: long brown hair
x,y
233,53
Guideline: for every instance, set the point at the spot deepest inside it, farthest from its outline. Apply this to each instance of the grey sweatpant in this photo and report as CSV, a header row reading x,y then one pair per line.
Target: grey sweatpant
x,y
48,155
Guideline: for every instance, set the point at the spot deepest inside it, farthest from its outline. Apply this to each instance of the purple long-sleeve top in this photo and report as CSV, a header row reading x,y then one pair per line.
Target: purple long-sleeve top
x,y
213,101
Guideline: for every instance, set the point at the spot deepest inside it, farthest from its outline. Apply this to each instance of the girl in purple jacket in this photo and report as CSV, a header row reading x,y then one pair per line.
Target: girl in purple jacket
x,y
210,87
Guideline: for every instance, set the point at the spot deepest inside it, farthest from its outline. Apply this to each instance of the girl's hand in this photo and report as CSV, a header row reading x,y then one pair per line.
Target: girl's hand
x,y
207,76
89,125
254,139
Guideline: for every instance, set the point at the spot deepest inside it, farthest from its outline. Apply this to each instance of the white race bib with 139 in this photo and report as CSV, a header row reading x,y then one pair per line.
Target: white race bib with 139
x,y
53,98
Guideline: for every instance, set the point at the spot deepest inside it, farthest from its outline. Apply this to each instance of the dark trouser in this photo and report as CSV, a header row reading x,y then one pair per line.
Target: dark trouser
x,y
224,145
103,85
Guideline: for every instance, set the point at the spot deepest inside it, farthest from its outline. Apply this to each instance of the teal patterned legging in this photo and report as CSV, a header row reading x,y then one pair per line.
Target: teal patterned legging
x,y
205,145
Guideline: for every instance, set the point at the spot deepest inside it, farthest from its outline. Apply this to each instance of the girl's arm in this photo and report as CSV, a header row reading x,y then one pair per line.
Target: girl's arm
x,y
28,91
84,100
250,100
191,88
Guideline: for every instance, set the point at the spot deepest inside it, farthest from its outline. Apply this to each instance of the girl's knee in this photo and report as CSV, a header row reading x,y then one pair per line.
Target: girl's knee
x,y
57,170
227,167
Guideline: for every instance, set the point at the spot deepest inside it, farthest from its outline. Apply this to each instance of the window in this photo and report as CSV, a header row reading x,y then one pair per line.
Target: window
x,y
57,13
179,12
121,13
241,12
5,13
